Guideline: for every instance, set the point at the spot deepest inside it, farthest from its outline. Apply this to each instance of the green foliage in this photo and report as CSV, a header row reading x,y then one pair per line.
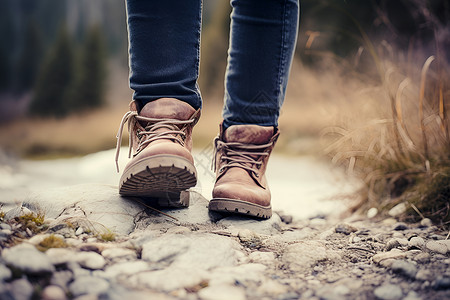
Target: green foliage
x,y
54,79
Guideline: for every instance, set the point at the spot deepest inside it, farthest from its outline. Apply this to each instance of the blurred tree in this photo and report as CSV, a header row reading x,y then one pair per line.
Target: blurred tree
x,y
88,87
30,58
54,79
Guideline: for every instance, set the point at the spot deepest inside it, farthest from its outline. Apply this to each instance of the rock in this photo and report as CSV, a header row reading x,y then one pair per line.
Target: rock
x,y
222,292
178,230
422,258
60,256
416,242
88,285
98,203
391,244
388,292
158,280
16,212
90,260
61,278
119,254
333,292
442,283
273,288
265,227
126,268
424,275
426,222
307,254
53,292
400,226
393,254
5,273
437,246
372,212
262,257
27,259
22,289
345,228
405,268
412,296
243,274
285,218
397,210
198,250
79,231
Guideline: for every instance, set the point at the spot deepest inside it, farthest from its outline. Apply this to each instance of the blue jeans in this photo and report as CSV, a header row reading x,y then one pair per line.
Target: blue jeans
x,y
164,46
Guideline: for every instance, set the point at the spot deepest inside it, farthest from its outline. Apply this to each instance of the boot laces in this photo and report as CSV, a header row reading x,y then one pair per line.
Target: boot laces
x,y
235,154
150,132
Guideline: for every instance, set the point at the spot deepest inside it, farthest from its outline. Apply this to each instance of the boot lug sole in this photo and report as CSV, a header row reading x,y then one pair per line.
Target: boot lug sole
x,y
240,207
160,179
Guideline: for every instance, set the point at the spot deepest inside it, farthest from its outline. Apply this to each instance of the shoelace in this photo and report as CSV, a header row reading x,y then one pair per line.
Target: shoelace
x,y
172,132
245,156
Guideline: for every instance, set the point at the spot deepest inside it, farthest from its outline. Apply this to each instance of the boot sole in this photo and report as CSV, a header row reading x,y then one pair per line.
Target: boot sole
x,y
160,179
240,207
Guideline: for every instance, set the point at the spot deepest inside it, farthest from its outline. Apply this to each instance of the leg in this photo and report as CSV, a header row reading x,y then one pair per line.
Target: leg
x,y
262,42
164,47
164,38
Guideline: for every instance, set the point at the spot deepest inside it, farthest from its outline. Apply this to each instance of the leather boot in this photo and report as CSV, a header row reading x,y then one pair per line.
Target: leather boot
x,y
241,156
161,139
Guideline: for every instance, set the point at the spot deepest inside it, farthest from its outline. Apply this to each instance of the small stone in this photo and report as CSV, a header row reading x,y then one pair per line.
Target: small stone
x,y
221,292
262,257
426,222
389,221
126,268
424,275
400,226
79,231
405,268
412,296
397,210
53,292
21,289
16,212
119,254
416,242
178,230
393,254
388,292
61,278
5,273
60,256
372,212
285,218
442,283
345,228
391,244
90,260
248,236
437,246
28,259
422,258
88,285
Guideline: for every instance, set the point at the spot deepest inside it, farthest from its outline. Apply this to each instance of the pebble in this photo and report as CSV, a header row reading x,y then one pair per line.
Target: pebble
x,y
426,222
397,210
28,259
412,296
90,260
119,254
79,231
61,278
424,275
5,273
416,242
306,254
221,292
16,212
345,228
393,254
88,285
21,289
391,244
178,230
60,256
405,268
388,292
372,212
422,257
53,292
262,257
437,246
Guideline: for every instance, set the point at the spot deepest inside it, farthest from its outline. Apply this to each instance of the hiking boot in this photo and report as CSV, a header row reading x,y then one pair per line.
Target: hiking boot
x,y
240,161
161,139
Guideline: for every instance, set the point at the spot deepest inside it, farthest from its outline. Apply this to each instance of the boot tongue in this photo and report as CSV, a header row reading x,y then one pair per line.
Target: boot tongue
x,y
248,134
166,108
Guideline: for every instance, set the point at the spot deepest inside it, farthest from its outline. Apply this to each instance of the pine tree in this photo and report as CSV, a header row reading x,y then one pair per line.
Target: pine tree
x,y
30,58
89,86
54,79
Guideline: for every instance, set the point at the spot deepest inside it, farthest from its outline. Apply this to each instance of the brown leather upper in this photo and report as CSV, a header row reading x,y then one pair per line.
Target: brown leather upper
x,y
242,153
